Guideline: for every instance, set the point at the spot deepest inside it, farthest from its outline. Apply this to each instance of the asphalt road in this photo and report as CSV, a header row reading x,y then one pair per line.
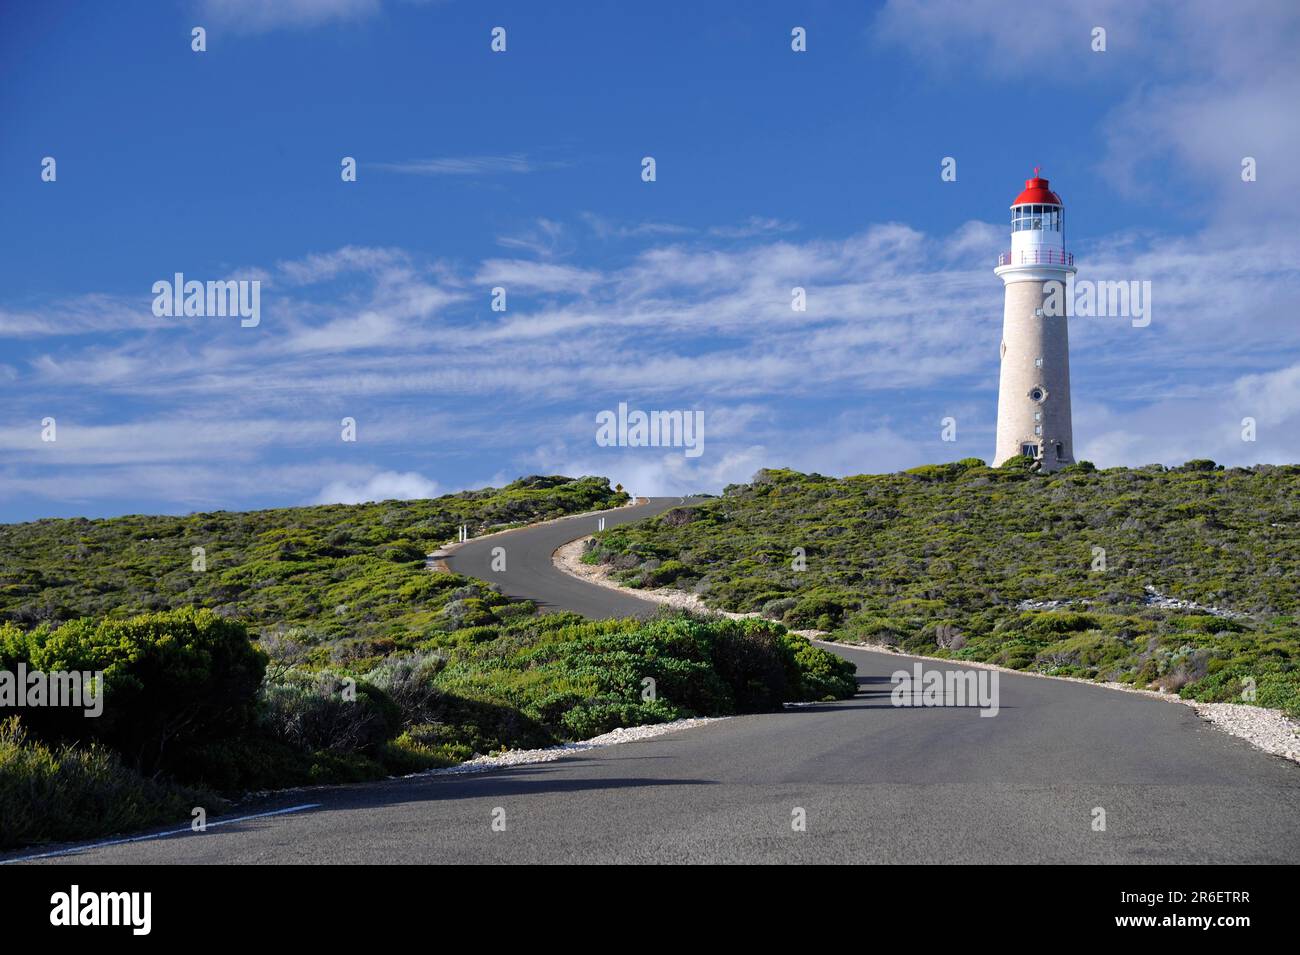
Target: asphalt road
x,y
530,573
876,783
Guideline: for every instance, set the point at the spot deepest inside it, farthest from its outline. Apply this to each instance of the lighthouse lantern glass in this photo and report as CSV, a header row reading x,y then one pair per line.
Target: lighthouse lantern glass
x,y
1043,218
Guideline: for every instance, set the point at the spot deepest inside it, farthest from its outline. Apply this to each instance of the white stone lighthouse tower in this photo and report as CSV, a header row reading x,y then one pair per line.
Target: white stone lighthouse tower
x,y
1034,388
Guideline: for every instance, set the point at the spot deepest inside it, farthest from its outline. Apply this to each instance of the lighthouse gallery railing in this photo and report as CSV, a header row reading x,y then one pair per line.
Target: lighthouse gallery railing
x,y
1036,257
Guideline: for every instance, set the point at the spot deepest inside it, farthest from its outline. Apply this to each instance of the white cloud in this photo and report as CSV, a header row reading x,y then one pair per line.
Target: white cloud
x,y
463,166
1174,430
320,267
607,228
257,16
700,322
384,486
1200,84
1005,37
733,452
899,323
524,275
544,238
753,226
82,315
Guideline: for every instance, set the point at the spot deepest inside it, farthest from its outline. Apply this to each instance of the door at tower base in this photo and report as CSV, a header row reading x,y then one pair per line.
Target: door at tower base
x,y
1034,419
1051,453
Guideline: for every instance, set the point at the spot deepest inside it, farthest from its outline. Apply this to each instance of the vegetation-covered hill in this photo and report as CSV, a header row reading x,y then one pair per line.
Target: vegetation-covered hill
x,y
348,578
1007,566
318,647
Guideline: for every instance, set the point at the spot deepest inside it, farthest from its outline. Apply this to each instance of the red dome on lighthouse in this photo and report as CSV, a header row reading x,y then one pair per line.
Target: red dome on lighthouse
x,y
1036,191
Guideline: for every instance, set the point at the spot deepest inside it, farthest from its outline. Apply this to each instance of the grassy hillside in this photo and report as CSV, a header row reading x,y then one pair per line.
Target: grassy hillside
x,y
349,579
999,565
317,647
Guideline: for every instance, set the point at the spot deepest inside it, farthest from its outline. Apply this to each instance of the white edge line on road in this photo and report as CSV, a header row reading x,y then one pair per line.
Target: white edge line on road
x,y
156,835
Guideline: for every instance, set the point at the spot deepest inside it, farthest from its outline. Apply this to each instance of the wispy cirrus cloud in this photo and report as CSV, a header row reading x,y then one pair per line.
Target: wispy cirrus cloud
x,y
544,238
753,226
607,228
263,16
320,267
900,331
80,315
257,16
466,165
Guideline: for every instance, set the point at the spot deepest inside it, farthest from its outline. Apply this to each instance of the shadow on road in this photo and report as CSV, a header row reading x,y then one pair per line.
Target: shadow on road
x,y
529,780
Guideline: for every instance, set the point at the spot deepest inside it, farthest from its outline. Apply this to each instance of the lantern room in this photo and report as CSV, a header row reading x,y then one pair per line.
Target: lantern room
x,y
1037,226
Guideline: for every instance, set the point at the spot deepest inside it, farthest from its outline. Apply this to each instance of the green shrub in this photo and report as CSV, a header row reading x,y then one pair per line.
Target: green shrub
x,y
814,674
1019,462
819,610
599,717
665,573
65,793
325,711
172,680
945,472
1056,622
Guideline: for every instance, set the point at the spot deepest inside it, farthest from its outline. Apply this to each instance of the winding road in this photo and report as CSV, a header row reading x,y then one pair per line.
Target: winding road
x,y
875,783
530,572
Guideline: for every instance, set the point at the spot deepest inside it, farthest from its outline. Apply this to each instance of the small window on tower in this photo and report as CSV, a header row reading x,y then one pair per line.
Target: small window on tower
x,y
1038,429
1038,363
1029,450
1038,416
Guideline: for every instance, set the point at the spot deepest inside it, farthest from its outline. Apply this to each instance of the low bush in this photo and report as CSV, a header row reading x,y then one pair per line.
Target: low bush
x,y
65,792
172,680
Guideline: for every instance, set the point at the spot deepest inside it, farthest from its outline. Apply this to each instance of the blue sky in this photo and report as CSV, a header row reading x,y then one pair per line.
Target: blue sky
x,y
522,170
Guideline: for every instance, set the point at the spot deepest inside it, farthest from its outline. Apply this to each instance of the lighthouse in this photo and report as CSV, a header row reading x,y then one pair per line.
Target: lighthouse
x,y
1034,386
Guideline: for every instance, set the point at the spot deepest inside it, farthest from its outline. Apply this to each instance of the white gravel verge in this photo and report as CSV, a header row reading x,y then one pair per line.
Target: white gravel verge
x,y
1269,730
568,558
523,757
